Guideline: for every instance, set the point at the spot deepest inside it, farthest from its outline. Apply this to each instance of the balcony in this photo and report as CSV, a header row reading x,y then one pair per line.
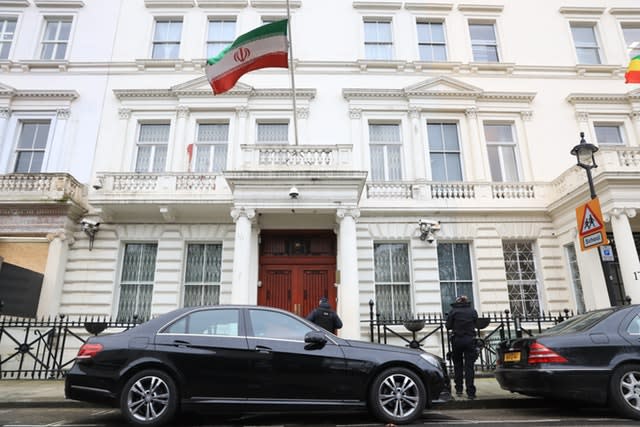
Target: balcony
x,y
41,188
296,157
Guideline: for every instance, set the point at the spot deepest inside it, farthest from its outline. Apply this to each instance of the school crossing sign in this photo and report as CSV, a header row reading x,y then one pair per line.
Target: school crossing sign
x,y
590,225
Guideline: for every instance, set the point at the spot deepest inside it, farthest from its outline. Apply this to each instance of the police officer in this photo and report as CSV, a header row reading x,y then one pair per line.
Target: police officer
x,y
461,321
325,317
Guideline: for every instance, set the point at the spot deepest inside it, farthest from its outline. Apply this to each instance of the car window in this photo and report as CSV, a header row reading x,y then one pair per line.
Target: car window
x,y
578,323
271,324
634,326
207,322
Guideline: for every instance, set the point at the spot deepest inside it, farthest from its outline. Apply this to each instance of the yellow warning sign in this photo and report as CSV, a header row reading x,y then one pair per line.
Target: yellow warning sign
x,y
591,225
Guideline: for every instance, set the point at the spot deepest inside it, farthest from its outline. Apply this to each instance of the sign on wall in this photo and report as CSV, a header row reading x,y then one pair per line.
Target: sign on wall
x,y
591,229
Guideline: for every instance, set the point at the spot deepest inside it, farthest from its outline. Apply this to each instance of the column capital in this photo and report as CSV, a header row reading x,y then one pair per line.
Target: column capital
x,y
414,111
355,113
182,111
471,113
124,113
303,113
342,213
526,115
582,116
62,236
242,111
5,112
63,113
237,213
635,115
619,212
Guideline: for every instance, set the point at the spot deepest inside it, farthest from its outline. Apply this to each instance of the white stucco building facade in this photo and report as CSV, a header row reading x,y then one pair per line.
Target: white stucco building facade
x,y
457,113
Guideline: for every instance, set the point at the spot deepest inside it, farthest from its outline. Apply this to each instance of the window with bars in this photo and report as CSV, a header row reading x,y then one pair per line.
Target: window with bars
x,y
7,32
211,147
631,32
572,259
386,148
378,43
32,145
431,42
273,133
221,33
392,280
444,152
166,39
454,266
152,147
501,148
56,38
608,133
522,281
586,43
202,274
484,44
136,283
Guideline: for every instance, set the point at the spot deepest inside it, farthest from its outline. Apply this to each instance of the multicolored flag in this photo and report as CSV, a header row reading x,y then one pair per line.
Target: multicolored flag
x,y
266,46
633,71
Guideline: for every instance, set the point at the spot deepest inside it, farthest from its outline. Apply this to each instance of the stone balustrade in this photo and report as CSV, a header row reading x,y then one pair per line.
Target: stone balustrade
x,y
296,157
42,187
156,183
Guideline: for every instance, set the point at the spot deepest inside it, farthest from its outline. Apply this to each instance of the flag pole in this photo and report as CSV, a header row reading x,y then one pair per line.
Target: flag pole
x,y
293,82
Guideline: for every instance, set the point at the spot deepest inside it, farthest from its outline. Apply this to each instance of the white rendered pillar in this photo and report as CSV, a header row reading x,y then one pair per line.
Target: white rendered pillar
x,y
178,150
348,289
240,292
480,165
51,291
417,146
626,251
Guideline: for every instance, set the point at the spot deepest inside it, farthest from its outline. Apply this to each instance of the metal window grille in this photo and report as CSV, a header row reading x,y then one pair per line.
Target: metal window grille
x,y
454,266
136,283
273,133
444,152
522,282
166,39
202,274
32,144
56,38
392,280
385,148
377,40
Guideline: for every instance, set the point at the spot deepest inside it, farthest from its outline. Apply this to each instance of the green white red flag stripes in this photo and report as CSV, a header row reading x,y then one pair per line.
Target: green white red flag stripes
x,y
263,47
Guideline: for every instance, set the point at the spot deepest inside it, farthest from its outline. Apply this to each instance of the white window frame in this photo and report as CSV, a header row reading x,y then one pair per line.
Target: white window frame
x,y
444,151
212,145
18,150
154,42
472,281
537,271
409,284
117,306
496,44
154,146
4,19
598,47
67,43
619,126
390,43
427,21
385,147
8,154
209,41
632,50
513,144
201,284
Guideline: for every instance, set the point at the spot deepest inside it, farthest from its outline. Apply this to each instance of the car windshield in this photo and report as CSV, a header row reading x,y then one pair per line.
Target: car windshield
x,y
578,323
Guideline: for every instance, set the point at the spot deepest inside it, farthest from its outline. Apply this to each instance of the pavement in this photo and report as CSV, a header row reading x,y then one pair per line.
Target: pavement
x,y
50,394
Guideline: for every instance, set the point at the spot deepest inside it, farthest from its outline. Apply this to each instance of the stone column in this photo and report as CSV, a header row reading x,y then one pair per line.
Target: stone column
x,y
236,156
51,291
480,169
417,145
117,159
359,157
626,251
240,293
177,151
5,149
635,117
348,289
59,146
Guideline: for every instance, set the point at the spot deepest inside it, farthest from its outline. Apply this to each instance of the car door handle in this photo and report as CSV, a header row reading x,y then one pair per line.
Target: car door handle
x,y
181,343
263,349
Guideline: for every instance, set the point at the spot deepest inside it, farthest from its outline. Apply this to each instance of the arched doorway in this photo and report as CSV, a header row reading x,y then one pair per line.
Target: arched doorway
x,y
297,268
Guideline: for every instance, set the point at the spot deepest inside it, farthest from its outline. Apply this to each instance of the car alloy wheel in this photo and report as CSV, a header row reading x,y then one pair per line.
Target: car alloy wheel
x,y
625,390
397,396
149,398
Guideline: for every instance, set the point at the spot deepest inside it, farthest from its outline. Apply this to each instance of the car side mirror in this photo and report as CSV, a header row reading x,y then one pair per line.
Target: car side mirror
x,y
314,340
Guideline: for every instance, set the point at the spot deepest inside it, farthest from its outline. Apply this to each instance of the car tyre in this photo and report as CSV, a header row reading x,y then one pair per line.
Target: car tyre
x,y
397,396
149,398
625,390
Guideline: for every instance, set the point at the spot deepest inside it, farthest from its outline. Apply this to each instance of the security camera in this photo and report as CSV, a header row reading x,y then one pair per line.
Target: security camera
x,y
428,223
293,193
430,237
87,224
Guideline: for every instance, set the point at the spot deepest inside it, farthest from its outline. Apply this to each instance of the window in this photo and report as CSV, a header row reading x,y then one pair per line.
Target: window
x,y
385,146
608,134
483,42
166,39
152,148
501,148
522,283
136,284
631,34
634,326
570,250
221,34
56,38
211,147
431,44
377,39
7,31
444,152
32,143
587,49
270,324
273,133
202,274
223,322
392,282
454,265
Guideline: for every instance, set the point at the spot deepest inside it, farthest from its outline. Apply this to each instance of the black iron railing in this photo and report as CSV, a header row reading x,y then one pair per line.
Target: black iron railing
x,y
428,330
46,348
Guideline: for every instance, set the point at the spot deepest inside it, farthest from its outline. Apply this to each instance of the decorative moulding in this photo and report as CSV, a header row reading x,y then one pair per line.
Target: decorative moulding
x,y
429,7
624,11
59,3
480,8
377,5
583,11
169,3
597,98
223,3
280,4
14,3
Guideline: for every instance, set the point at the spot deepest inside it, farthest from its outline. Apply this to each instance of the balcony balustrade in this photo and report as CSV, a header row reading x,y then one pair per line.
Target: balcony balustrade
x,y
41,188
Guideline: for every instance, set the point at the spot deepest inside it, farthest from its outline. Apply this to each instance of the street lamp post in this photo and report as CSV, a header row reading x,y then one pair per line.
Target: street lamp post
x,y
584,153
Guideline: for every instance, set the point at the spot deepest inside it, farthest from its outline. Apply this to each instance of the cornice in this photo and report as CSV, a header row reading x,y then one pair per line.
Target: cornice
x,y
480,8
196,92
511,97
169,3
617,11
69,4
592,11
14,3
428,7
63,95
223,3
275,4
377,5
598,98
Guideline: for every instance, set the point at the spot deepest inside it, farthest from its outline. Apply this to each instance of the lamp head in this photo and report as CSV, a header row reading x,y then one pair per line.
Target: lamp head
x,y
584,153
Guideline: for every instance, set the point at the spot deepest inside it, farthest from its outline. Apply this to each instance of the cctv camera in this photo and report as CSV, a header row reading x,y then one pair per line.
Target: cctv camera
x,y
430,238
293,193
87,223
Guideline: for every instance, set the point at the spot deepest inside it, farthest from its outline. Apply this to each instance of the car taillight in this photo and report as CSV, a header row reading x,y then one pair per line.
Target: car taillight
x,y
541,354
88,351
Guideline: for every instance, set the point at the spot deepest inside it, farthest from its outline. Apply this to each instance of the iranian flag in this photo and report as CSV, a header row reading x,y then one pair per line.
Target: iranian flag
x,y
266,46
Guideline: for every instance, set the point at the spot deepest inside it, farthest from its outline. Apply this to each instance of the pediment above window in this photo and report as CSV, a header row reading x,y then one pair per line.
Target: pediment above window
x,y
442,84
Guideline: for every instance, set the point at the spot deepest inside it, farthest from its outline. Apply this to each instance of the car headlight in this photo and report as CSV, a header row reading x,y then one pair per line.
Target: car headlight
x,y
431,360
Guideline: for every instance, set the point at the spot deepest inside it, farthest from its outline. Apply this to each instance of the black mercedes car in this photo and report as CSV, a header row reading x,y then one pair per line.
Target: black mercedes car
x,y
593,357
250,359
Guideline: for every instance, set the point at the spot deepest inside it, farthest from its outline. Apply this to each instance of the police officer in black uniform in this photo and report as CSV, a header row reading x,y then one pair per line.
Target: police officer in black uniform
x,y
461,321
325,317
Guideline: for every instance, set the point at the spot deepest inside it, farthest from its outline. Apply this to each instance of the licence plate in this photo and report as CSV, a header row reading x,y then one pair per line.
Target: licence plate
x,y
513,356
